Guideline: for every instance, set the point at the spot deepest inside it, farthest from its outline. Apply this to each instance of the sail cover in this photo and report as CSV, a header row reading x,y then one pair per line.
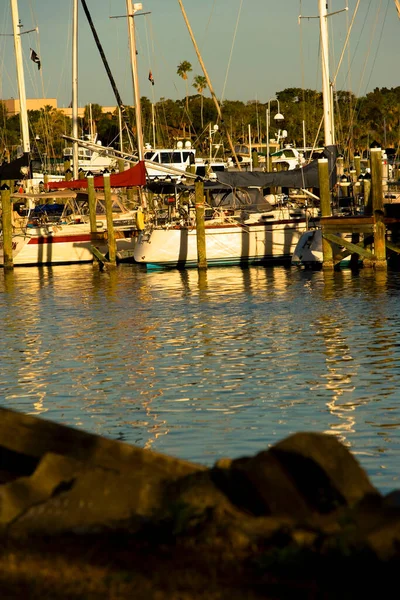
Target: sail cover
x,y
134,177
304,177
16,169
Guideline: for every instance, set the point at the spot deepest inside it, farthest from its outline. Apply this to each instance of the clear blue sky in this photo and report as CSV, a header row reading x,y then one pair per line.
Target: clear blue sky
x,y
269,53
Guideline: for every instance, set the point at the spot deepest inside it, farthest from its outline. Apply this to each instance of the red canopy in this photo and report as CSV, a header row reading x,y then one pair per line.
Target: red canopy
x,y
133,177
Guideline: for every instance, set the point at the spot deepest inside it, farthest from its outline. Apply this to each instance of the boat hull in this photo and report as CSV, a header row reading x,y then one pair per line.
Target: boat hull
x,y
226,244
308,252
62,245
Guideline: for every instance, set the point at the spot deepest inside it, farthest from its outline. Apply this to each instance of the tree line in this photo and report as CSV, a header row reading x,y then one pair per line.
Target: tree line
x,y
359,122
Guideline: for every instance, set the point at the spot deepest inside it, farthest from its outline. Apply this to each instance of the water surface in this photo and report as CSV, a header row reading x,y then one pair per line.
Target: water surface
x,y
200,366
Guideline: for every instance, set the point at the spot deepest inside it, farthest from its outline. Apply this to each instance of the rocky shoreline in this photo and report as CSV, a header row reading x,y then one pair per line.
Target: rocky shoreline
x,y
83,516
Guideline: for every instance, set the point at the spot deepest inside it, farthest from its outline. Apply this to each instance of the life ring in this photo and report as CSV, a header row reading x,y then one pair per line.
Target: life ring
x,y
139,220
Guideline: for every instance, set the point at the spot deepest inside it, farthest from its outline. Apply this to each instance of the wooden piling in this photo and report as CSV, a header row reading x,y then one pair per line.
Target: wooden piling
x,y
340,166
377,207
326,210
367,197
376,179
200,225
92,203
255,159
112,247
6,218
357,165
121,165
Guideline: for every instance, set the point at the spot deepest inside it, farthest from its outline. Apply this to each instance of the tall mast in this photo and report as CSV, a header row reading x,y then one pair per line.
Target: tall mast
x,y
131,9
210,87
326,89
75,89
23,114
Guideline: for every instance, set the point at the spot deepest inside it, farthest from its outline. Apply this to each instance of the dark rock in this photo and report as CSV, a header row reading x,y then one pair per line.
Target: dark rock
x,y
298,519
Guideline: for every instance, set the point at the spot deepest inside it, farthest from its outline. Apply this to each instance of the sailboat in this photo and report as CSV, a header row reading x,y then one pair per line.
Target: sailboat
x,y
46,239
309,250
241,226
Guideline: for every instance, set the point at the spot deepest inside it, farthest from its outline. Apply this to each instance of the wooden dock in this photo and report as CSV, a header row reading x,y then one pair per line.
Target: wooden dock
x,y
374,235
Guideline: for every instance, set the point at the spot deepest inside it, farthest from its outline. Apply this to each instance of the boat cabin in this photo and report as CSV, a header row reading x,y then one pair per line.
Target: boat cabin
x,y
178,158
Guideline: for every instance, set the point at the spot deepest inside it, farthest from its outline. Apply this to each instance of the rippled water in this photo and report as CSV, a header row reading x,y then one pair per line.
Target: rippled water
x,y
224,363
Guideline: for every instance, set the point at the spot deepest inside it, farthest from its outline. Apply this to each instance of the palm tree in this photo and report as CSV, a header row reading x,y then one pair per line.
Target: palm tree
x,y
182,70
200,84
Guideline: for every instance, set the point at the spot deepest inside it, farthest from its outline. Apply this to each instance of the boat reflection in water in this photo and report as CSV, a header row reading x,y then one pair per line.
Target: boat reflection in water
x,y
201,365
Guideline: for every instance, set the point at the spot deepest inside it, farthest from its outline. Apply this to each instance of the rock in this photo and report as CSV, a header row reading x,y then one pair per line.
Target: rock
x,y
323,469
78,480
53,473
298,514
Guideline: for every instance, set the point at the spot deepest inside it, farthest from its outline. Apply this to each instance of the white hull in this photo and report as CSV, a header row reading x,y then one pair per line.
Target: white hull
x,y
52,245
226,243
308,252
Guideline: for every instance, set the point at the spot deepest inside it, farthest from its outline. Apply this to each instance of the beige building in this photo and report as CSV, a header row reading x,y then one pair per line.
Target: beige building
x,y
13,107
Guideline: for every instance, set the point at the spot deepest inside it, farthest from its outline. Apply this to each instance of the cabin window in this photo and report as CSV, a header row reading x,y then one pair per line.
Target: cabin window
x,y
151,156
166,158
190,156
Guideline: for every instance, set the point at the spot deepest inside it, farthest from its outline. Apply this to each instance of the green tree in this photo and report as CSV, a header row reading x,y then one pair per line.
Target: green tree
x,y
200,84
182,70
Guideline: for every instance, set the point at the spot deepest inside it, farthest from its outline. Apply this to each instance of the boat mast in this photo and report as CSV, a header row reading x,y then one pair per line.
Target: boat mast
x,y
75,89
23,113
326,88
210,87
131,9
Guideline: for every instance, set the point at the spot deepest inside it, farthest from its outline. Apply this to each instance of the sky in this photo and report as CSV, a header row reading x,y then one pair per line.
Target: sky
x,y
252,49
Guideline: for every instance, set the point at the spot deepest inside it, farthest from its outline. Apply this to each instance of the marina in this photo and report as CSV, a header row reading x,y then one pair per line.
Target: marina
x,y
120,328
205,365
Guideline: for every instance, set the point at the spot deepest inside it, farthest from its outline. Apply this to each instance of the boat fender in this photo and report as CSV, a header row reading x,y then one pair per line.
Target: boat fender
x,y
140,219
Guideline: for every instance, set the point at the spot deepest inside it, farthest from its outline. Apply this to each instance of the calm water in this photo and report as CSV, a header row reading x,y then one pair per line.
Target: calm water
x,y
224,364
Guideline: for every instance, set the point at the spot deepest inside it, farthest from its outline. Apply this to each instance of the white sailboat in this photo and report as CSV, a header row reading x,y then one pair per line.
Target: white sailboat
x,y
64,240
308,252
240,227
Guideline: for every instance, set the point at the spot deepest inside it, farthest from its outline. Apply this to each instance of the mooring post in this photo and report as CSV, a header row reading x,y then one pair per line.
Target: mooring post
x,y
200,226
6,207
367,195
339,165
377,207
121,165
326,210
112,249
92,204
357,165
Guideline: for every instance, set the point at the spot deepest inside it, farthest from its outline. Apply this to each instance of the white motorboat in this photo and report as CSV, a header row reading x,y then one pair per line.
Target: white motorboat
x,y
173,163
95,161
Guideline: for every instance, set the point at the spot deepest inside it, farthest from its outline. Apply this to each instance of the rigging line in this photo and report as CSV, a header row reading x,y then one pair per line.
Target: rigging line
x,y
208,22
357,110
230,56
302,63
369,47
105,63
379,41
346,43
148,56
